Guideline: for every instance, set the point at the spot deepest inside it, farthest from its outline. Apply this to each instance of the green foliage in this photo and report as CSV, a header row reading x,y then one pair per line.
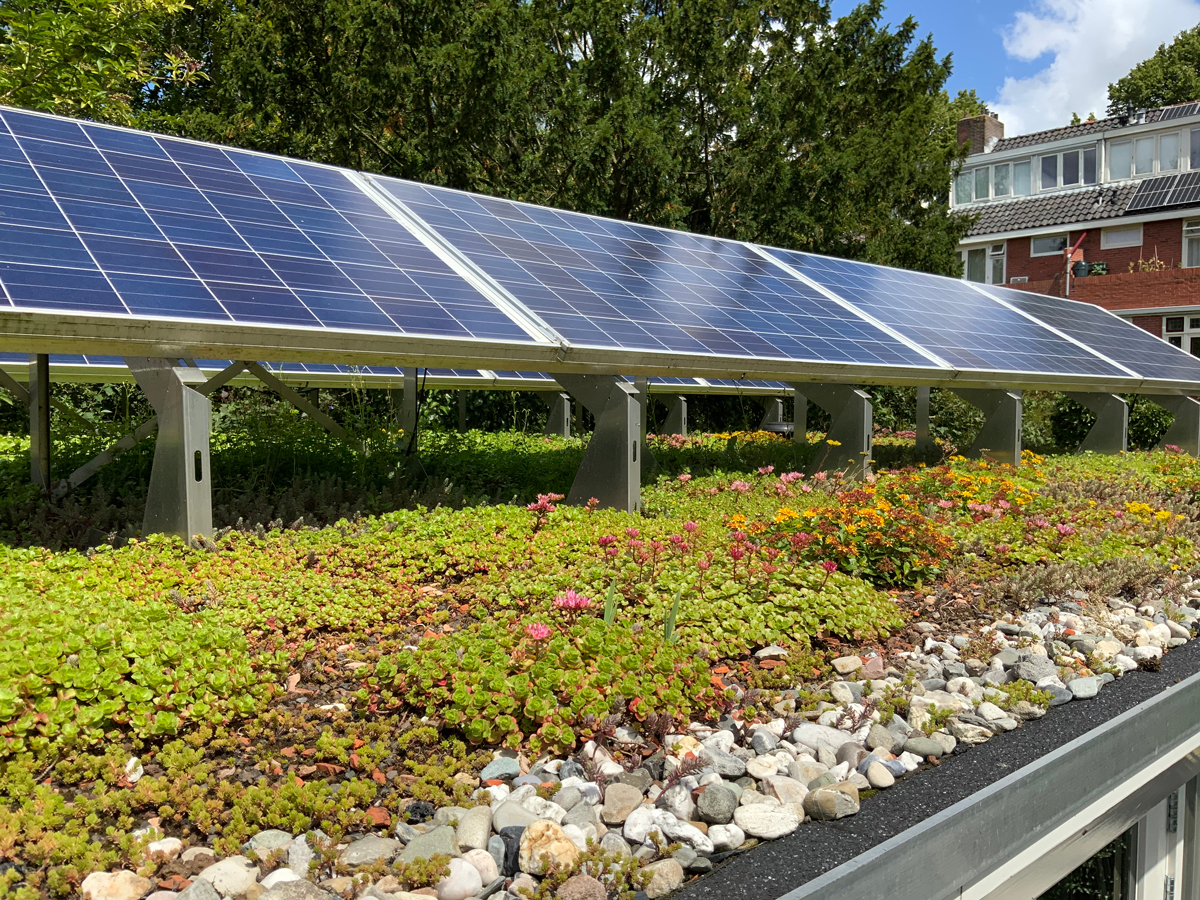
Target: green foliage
x,y
88,675
1171,75
87,58
1017,691
1070,422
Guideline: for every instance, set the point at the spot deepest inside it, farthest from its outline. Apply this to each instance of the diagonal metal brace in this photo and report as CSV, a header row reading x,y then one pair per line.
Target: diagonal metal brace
x,y
14,386
301,403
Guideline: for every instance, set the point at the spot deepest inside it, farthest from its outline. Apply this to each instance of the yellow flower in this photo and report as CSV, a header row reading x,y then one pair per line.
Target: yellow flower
x,y
834,443
736,521
785,514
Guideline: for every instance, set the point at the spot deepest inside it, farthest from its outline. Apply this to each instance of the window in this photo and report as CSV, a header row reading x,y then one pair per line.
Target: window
x,y
1051,245
1177,335
996,259
1089,166
1176,339
1070,168
1001,186
1021,180
1195,156
1120,160
962,188
1168,152
984,265
1049,172
981,183
1143,156
1121,236
1191,243
1173,324
1194,323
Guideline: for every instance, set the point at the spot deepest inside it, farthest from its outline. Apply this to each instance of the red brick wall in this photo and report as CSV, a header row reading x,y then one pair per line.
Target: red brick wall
x,y
1128,290
1163,239
1152,324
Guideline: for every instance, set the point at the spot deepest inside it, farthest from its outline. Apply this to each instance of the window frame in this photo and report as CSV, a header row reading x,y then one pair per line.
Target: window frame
x,y
1185,145
993,252
1191,232
1065,235
1113,243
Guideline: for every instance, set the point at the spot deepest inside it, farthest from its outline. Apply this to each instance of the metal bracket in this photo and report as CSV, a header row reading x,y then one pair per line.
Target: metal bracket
x,y
1110,434
926,449
1000,436
772,411
848,442
649,463
559,421
1185,430
611,466
677,422
180,497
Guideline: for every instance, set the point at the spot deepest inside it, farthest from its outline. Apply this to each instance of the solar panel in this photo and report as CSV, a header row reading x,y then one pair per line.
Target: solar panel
x,y
949,317
100,219
1186,189
1124,343
1152,193
1180,111
609,284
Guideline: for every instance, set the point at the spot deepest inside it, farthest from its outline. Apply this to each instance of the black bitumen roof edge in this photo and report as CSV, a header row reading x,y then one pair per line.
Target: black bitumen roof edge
x,y
776,867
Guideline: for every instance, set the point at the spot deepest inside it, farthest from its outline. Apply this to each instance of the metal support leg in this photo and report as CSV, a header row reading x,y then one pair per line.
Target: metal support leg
x,y
39,420
772,411
800,418
462,412
1000,436
925,445
677,417
649,463
1185,430
1110,434
848,443
180,497
611,467
559,421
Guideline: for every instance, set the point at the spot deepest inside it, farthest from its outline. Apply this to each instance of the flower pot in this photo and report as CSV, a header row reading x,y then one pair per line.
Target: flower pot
x,y
1079,269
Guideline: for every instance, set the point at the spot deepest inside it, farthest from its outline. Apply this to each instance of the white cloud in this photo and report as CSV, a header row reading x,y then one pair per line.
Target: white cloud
x,y
1089,43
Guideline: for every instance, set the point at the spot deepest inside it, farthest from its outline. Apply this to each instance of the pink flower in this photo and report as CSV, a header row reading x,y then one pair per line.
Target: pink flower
x,y
820,476
801,539
1064,530
740,486
606,540
713,491
1004,504
676,539
781,490
612,551
789,477
537,631
769,569
1041,523
658,546
765,470
806,488
703,565
736,553
636,543
632,532
690,527
572,601
685,478
946,504
829,566
739,537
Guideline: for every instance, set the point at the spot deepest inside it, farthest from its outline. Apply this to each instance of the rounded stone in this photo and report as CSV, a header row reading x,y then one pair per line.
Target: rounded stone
x,y
879,777
716,805
619,801
546,847
488,868
115,886
232,876
463,881
581,887
474,828
765,821
666,876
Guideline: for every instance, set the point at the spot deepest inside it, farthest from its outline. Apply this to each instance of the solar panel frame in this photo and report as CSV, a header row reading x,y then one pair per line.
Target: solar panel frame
x,y
187,203
1186,189
1152,193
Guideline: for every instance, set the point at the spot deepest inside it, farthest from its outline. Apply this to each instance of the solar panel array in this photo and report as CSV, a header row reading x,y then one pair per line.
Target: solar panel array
x,y
1153,193
950,318
1180,111
96,219
617,285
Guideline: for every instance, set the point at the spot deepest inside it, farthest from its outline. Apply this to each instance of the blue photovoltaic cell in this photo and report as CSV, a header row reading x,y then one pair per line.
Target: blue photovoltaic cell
x,y
98,219
949,317
1121,341
609,284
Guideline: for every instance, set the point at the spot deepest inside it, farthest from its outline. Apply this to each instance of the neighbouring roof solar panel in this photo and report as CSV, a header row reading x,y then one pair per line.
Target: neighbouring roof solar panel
x,y
950,318
1152,193
610,284
1186,189
100,219
1178,112
1122,342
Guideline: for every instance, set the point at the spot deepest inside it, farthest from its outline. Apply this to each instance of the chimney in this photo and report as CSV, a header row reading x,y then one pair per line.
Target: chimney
x,y
980,133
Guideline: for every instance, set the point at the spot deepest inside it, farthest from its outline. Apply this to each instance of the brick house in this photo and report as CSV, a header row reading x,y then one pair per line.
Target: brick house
x,y
1119,195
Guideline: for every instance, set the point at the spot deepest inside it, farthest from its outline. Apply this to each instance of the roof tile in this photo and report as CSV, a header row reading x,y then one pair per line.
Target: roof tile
x,y
1102,202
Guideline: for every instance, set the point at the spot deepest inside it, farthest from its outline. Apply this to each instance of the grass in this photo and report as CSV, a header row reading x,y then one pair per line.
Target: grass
x,y
411,621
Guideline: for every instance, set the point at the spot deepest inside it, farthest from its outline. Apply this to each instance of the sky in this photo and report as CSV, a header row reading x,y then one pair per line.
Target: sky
x,y
1037,61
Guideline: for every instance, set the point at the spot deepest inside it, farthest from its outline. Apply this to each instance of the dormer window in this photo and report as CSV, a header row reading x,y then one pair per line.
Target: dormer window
x,y
1149,155
1068,169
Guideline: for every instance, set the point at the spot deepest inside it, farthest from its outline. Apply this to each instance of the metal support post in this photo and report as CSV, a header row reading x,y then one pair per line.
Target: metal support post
x,y
39,420
1184,432
1000,436
925,450
611,467
677,417
800,418
180,497
848,443
642,386
772,411
462,412
1110,434
559,421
